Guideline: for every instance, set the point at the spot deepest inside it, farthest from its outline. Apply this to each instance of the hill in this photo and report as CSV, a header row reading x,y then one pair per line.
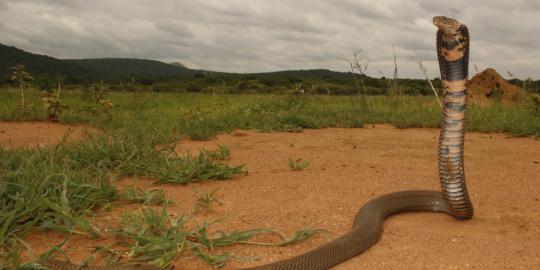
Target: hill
x,y
178,64
133,67
101,68
159,76
38,64
110,68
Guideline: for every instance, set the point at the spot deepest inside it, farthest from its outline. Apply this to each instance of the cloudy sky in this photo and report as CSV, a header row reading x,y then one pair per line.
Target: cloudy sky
x,y
265,35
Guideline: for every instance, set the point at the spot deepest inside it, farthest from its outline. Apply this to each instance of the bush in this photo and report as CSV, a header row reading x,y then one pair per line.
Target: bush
x,y
193,88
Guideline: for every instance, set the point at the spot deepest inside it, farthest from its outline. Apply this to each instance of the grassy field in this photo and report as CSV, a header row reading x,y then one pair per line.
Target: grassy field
x,y
200,116
58,188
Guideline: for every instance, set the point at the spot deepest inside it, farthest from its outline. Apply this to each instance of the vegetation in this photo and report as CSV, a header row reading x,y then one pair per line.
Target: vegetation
x,y
127,67
137,195
121,74
62,188
206,200
198,116
298,164
52,104
155,237
41,65
21,77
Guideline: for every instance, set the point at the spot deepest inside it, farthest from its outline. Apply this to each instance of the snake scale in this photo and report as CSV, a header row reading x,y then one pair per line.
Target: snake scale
x,y
453,56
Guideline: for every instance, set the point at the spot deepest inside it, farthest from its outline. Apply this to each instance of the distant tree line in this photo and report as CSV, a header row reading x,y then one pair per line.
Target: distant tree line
x,y
123,74
279,82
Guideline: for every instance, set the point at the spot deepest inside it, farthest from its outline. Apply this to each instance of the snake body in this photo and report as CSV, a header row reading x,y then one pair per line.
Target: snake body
x,y
453,53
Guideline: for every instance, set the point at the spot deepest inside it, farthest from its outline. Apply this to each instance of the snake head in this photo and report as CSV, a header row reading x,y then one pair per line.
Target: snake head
x,y
447,25
451,29
452,34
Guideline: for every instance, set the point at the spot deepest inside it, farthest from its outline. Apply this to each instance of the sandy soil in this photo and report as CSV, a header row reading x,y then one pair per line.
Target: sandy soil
x,y
38,134
349,167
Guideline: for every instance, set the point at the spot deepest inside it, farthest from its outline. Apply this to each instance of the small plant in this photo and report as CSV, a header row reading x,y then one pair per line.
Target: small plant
x,y
153,196
298,164
301,235
98,95
424,71
205,200
154,237
21,77
186,169
534,105
223,153
52,104
356,64
72,221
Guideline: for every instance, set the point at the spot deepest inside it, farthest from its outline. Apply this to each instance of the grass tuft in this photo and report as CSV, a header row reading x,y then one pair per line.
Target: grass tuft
x,y
298,164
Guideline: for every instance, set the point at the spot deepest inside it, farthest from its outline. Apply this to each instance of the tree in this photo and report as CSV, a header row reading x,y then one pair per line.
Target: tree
x,y
20,76
357,64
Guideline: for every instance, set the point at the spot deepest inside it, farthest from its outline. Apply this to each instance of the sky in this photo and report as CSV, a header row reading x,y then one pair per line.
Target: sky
x,y
264,35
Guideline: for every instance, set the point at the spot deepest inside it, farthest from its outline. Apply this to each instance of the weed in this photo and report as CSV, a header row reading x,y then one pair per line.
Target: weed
x,y
137,195
301,235
157,238
53,106
21,76
215,260
186,168
98,95
223,153
205,200
56,188
298,164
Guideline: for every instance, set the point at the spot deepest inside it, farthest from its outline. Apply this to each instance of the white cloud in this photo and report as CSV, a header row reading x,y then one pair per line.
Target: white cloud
x,y
260,35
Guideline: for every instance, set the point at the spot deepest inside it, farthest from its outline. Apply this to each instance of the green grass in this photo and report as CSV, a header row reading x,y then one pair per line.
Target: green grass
x,y
201,116
137,195
298,164
153,236
60,188
205,201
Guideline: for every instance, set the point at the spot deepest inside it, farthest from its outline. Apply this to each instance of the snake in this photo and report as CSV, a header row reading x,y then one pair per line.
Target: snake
x,y
453,199
453,56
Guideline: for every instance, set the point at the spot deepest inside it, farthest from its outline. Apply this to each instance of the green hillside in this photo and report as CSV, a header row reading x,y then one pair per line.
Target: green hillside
x,y
178,64
102,68
38,64
157,76
132,67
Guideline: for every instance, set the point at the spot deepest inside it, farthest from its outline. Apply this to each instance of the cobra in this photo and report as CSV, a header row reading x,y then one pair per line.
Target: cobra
x,y
453,55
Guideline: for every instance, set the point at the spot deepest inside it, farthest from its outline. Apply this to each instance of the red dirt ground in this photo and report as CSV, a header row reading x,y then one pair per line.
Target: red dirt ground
x,y
351,166
38,134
